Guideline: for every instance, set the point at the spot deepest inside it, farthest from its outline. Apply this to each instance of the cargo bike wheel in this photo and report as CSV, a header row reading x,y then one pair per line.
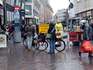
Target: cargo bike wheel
x,y
42,46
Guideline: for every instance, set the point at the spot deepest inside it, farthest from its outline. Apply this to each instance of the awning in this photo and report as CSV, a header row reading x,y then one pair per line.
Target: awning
x,y
1,2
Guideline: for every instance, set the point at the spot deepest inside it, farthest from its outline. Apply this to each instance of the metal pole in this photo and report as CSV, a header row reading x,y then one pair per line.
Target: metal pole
x,y
21,3
4,12
14,2
32,9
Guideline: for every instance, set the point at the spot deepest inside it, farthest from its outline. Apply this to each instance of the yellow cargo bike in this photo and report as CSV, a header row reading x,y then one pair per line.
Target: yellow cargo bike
x,y
42,43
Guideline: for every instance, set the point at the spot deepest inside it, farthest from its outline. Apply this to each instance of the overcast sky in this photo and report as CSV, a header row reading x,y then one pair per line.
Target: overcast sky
x,y
59,4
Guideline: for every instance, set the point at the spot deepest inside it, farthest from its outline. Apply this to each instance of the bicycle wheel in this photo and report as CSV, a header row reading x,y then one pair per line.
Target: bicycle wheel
x,y
42,46
61,47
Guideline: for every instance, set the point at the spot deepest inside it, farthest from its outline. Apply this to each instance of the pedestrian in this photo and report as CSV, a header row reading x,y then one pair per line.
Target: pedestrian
x,y
22,30
91,26
86,30
10,30
52,42
29,35
33,27
59,27
24,33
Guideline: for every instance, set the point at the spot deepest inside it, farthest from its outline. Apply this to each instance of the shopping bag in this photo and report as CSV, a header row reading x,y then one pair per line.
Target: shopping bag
x,y
86,46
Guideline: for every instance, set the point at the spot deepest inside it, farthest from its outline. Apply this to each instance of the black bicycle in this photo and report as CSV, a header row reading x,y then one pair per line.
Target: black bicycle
x,y
42,43
39,43
59,43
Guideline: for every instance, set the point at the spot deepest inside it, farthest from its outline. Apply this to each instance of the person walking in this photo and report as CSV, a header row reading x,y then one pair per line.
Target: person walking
x,y
59,27
91,32
29,37
10,30
17,27
52,42
86,29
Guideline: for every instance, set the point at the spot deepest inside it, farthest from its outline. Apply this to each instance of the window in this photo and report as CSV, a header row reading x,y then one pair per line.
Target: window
x,y
18,2
12,2
28,0
28,9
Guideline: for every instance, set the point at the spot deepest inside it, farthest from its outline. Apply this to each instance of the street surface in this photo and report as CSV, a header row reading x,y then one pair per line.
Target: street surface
x,y
16,57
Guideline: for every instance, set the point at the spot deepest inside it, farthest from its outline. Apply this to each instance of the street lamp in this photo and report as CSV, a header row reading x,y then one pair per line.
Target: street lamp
x,y
4,12
70,5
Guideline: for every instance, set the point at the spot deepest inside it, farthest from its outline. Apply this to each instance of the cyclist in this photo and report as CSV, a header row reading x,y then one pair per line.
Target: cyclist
x,y
52,42
59,27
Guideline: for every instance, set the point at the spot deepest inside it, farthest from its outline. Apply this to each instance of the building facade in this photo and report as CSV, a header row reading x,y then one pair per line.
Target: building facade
x,y
1,12
61,15
71,11
36,6
31,11
9,8
38,10
49,13
46,12
28,9
84,9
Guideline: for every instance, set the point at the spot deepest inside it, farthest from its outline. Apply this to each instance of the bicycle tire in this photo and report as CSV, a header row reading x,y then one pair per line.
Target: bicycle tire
x,y
45,47
60,50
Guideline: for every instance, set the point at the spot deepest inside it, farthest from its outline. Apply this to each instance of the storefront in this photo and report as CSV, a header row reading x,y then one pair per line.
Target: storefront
x,y
9,11
88,15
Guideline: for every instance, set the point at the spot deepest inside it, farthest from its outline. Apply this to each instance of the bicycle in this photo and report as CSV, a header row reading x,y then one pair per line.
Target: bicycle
x,y
42,43
39,43
59,43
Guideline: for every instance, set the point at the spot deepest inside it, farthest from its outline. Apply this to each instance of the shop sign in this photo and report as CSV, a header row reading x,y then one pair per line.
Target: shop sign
x,y
17,8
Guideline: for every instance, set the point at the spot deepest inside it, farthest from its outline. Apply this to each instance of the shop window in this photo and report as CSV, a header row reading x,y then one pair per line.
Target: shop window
x,y
28,9
28,0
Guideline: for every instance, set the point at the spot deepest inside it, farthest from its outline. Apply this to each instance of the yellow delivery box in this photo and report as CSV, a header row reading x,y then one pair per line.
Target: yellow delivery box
x,y
43,28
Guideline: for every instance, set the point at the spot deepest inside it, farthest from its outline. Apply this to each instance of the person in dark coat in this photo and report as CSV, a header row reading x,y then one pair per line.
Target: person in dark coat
x,y
29,36
91,26
52,42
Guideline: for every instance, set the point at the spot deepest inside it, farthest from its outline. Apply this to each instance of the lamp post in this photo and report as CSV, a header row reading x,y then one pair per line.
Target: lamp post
x,y
70,7
4,12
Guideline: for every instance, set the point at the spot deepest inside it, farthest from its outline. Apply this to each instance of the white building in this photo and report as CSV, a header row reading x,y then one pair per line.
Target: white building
x,y
46,11
61,14
38,9
36,6
84,9
71,11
